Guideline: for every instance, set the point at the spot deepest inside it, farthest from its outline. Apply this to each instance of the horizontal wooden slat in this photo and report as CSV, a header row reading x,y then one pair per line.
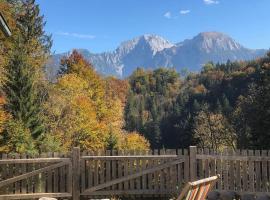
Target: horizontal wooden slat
x,y
233,157
129,157
34,195
126,192
213,178
33,160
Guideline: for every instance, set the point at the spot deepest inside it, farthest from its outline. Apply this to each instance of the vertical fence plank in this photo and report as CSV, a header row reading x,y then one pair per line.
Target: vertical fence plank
x,y
225,171
10,174
156,173
179,172
138,169
192,162
238,172
69,177
17,171
168,174
258,171
264,172
120,169
43,175
186,166
62,175
49,176
96,170
206,163
174,172
5,173
219,171
114,168
162,173
251,172
90,168
150,175
83,172
244,171
165,174
56,175
126,183
131,170
231,170
212,164
101,168
200,164
24,183
144,177
76,173
108,168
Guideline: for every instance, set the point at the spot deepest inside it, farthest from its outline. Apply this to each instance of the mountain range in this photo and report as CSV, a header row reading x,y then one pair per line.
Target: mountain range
x,y
152,51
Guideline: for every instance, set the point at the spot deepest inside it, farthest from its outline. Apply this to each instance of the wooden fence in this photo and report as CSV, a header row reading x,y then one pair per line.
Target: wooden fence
x,y
157,173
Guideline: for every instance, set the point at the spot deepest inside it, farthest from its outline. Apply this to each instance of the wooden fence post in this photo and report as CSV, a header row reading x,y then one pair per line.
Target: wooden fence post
x,y
76,173
193,163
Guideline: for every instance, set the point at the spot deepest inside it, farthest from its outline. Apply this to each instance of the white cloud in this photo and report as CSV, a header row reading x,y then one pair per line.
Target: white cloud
x,y
184,12
76,35
209,2
168,15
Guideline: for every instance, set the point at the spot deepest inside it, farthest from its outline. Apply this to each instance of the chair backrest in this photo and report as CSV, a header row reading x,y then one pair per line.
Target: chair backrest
x,y
198,190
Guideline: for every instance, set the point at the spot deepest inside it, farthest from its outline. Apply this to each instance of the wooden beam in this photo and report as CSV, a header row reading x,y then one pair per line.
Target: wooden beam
x,y
33,195
192,163
132,176
233,157
33,160
206,180
30,174
129,157
129,192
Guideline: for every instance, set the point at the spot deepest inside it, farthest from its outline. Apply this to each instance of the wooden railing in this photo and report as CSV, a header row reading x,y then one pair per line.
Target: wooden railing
x,y
156,173
241,170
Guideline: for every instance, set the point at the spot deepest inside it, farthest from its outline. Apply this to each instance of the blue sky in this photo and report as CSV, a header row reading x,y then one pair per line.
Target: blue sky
x,y
101,25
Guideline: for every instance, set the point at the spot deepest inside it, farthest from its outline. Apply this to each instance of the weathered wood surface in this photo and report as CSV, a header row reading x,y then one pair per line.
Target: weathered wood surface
x,y
26,177
156,173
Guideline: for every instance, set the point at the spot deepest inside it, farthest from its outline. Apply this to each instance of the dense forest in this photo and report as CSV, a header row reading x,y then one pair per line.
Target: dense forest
x,y
223,106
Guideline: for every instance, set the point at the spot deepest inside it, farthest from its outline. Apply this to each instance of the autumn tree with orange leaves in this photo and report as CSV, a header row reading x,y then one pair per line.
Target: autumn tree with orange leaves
x,y
82,111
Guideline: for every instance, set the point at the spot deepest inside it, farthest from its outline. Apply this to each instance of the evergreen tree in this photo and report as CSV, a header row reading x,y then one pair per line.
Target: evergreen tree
x,y
21,94
24,86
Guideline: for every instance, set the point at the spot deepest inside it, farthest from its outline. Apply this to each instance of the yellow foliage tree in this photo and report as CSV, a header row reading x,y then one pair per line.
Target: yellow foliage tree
x,y
82,111
134,141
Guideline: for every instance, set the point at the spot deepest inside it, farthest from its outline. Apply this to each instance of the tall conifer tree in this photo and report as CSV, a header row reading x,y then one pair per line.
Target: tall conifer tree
x,y
24,83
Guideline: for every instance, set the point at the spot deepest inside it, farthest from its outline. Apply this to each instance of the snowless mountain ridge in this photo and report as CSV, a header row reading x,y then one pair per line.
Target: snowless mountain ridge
x,y
152,51
155,42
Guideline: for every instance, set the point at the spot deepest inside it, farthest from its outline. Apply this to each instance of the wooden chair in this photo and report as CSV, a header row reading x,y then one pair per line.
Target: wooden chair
x,y
198,190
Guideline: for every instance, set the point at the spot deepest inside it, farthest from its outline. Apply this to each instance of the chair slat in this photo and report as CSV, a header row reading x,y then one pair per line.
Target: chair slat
x,y
198,190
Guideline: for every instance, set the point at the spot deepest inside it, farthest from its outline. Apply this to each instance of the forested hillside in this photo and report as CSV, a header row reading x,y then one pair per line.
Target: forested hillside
x,y
225,105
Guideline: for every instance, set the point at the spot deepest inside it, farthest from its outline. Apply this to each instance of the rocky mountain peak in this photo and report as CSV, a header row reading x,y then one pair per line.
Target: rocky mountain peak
x,y
154,42
215,41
